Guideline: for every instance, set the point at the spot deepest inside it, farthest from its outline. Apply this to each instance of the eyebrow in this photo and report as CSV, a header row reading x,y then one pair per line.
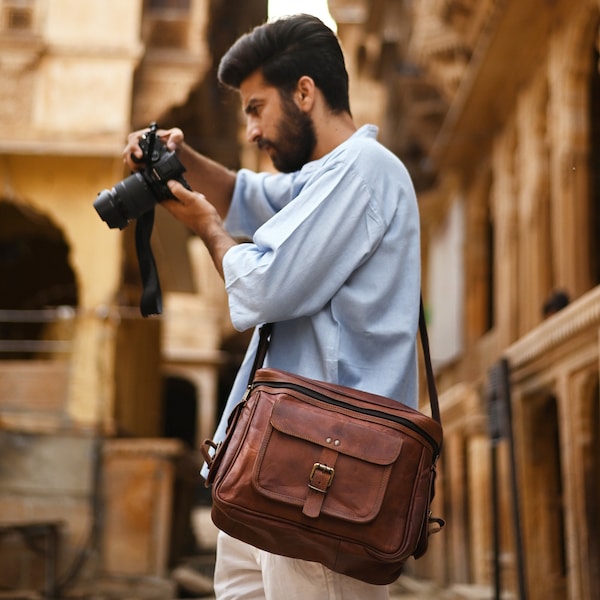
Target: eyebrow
x,y
252,103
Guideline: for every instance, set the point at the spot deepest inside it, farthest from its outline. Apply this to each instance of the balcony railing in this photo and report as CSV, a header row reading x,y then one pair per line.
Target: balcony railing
x,y
35,348
36,333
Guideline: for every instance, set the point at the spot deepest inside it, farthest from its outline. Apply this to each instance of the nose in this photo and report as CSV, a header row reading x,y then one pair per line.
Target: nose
x,y
253,132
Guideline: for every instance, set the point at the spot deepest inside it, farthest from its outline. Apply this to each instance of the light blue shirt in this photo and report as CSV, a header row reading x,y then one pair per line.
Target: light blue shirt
x,y
334,262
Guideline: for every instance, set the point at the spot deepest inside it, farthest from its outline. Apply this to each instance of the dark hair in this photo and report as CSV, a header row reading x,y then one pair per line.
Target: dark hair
x,y
285,50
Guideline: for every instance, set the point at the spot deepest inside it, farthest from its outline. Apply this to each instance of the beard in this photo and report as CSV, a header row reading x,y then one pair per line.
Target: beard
x,y
296,139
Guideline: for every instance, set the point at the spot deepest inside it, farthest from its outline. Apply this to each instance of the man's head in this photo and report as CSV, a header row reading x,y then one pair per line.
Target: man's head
x,y
280,123
284,51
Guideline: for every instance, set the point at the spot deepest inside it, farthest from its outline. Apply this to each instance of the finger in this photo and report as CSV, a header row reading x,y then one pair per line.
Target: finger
x,y
129,150
172,138
133,147
180,192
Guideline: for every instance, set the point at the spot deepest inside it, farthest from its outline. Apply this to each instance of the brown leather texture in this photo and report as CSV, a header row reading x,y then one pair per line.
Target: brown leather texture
x,y
326,473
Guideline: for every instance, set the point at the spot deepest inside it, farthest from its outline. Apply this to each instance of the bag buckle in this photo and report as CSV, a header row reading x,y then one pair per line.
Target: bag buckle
x,y
316,480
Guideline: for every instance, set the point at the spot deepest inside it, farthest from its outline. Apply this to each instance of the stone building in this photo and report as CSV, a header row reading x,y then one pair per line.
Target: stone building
x,y
492,106
101,410
510,219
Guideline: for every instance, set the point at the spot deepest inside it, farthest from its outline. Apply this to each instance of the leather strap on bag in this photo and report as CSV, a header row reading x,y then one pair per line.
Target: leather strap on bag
x,y
265,337
431,387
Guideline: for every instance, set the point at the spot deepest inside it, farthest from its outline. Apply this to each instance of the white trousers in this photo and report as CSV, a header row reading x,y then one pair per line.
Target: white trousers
x,y
245,573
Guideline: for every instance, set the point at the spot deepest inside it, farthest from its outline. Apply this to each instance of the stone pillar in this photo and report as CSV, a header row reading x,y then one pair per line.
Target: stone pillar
x,y
139,477
535,268
568,108
504,211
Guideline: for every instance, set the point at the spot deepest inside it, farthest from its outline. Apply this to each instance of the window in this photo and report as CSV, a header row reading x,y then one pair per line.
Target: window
x,y
166,23
18,16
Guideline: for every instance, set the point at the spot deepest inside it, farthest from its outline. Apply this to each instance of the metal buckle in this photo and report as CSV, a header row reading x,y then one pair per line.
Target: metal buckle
x,y
330,471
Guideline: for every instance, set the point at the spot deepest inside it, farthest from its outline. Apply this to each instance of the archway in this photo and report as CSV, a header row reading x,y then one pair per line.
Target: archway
x,y
545,520
179,410
36,274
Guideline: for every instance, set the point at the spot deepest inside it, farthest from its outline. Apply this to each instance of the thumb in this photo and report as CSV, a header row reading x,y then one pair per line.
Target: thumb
x,y
177,189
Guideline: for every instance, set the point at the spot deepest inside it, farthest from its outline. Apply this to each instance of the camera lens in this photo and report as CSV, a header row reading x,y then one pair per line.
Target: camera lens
x,y
126,201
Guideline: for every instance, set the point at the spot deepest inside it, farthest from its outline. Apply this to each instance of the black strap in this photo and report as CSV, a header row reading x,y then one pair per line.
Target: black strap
x,y
265,337
151,300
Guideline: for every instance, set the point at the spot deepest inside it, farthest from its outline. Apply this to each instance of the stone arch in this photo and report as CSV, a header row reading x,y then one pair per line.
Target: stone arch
x,y
35,271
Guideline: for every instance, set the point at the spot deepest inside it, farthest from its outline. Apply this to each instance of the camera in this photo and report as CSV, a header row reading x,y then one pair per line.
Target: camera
x,y
142,190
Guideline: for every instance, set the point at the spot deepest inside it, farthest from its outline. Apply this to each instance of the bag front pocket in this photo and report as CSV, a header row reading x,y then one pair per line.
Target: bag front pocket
x,y
325,460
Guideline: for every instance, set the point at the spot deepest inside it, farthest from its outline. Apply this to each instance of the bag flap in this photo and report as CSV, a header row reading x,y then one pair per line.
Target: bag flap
x,y
428,426
346,434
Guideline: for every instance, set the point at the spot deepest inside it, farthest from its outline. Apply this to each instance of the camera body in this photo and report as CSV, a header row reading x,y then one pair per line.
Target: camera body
x,y
142,190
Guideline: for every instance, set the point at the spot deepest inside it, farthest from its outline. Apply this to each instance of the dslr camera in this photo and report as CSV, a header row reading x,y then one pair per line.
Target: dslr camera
x,y
142,190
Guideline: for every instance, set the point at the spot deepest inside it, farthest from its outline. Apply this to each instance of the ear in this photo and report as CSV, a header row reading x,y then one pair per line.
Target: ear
x,y
304,95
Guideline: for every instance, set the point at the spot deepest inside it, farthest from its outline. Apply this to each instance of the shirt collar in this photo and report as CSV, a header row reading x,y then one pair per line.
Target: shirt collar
x,y
367,131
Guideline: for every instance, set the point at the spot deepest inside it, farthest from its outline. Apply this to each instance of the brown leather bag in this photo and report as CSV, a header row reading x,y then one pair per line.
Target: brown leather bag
x,y
325,473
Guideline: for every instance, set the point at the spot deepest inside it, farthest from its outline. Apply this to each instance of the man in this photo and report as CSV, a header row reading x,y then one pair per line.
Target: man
x,y
333,259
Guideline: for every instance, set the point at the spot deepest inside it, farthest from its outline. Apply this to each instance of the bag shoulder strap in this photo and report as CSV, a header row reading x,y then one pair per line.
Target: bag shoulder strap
x,y
431,386
265,337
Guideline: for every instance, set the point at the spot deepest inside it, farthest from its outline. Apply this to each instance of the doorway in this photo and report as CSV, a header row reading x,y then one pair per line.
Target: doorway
x,y
544,518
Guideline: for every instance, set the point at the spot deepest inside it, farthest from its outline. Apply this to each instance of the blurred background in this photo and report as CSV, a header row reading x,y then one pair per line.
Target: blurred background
x,y
494,108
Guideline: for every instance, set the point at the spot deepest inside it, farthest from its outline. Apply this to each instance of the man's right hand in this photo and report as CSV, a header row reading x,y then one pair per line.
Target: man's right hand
x,y
172,138
211,178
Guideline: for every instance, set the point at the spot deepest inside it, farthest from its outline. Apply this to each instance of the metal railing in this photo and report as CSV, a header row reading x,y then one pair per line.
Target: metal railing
x,y
40,332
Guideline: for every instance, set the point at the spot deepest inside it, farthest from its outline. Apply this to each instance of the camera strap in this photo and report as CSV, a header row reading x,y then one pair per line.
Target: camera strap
x,y
151,300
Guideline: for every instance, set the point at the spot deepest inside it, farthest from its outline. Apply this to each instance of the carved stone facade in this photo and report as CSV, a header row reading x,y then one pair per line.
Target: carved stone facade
x,y
516,167
79,367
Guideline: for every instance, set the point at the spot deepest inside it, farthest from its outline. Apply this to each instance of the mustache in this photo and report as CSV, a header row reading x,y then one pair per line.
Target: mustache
x,y
263,143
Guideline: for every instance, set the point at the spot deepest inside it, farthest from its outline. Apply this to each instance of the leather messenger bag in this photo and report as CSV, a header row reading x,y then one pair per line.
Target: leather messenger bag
x,y
326,473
